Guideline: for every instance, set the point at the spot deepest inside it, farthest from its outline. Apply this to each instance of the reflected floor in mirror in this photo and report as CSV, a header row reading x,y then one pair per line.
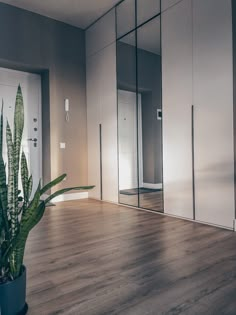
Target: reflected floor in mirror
x,y
152,199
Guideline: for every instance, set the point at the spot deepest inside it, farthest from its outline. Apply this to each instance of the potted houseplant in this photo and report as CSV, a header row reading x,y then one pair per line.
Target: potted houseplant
x,y
19,213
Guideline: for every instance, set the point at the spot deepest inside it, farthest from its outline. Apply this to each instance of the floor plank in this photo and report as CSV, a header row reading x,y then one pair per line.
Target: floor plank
x,y
95,258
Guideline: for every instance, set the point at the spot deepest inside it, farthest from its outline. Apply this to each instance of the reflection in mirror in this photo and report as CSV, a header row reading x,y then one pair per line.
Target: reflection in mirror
x,y
149,89
125,17
146,9
140,117
127,120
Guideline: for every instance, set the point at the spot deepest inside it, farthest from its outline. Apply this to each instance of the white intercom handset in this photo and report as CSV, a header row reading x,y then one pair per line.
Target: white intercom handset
x,y
67,108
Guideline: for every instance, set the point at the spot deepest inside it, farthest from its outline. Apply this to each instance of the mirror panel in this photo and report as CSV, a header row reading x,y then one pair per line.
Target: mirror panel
x,y
140,117
127,120
146,9
149,91
125,17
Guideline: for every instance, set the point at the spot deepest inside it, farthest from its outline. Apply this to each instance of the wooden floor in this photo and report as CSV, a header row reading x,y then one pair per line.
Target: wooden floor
x,y
93,258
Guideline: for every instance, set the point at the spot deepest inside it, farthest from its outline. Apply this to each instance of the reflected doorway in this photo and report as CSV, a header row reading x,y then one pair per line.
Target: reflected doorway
x,y
130,151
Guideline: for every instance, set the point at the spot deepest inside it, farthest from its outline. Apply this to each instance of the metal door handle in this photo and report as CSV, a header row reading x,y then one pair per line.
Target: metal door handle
x,y
30,139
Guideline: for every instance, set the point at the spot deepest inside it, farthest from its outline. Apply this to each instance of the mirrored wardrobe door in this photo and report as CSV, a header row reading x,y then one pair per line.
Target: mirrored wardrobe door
x,y
125,17
127,120
146,9
150,110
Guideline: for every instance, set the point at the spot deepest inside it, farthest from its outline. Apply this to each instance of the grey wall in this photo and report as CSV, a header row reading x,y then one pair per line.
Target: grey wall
x,y
31,42
149,85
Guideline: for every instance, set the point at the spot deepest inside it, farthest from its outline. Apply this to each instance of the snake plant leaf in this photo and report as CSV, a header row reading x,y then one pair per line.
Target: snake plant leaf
x,y
18,125
30,218
19,246
1,140
62,191
52,184
3,184
12,195
1,129
11,183
1,224
30,186
18,132
33,205
17,252
3,189
24,177
3,200
16,221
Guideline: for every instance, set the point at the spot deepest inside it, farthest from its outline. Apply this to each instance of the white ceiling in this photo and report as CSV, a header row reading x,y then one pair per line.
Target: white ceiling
x,y
80,13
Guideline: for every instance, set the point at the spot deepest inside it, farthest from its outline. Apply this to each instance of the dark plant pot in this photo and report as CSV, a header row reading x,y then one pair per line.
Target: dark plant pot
x,y
12,296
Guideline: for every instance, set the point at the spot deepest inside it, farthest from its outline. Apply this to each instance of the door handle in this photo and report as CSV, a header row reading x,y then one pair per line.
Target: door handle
x,y
30,139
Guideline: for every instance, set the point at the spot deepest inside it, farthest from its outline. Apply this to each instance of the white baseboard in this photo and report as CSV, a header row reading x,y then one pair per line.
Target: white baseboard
x,y
152,186
73,196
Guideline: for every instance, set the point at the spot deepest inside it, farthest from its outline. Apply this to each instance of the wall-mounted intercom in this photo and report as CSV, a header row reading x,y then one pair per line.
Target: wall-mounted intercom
x,y
67,108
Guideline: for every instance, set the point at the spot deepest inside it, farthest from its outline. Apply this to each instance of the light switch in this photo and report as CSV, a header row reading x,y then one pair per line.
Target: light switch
x,y
62,145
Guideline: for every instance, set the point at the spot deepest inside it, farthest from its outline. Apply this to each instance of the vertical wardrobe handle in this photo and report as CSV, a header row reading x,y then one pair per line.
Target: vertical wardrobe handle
x,y
193,159
100,148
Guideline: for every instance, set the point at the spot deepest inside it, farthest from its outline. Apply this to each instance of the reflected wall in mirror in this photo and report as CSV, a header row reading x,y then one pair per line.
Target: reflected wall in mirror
x,y
146,9
139,117
125,17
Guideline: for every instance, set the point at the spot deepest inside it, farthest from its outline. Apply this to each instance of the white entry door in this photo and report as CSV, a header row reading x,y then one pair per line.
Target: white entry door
x,y
32,134
128,146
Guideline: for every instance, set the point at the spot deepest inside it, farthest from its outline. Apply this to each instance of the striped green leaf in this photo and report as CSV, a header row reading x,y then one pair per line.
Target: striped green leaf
x,y
2,225
11,183
30,186
24,177
30,218
1,129
52,184
18,125
18,132
3,199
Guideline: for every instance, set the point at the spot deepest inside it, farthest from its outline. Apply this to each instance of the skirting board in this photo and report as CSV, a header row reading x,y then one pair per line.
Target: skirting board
x,y
151,186
73,196
176,217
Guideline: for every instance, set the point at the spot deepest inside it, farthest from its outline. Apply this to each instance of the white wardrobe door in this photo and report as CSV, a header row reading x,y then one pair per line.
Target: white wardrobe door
x,y
108,97
101,34
213,100
102,108
93,121
177,102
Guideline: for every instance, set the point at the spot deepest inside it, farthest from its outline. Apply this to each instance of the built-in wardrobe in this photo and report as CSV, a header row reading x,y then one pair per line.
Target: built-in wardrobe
x,y
102,108
197,80
195,111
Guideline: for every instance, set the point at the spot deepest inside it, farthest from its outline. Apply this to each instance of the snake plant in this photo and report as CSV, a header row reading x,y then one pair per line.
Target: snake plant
x,y
19,211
